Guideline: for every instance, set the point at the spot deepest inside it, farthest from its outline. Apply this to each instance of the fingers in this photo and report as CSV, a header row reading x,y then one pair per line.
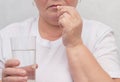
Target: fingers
x,y
14,72
20,71
15,79
63,19
67,15
12,63
30,70
71,22
66,9
14,75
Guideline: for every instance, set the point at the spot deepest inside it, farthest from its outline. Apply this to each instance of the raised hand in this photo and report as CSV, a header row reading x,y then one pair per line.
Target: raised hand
x,y
71,23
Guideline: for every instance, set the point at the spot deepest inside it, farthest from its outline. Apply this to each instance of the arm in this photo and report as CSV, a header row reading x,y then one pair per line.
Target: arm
x,y
82,64
116,80
81,60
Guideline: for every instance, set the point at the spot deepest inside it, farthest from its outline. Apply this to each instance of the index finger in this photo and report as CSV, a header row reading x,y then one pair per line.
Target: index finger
x,y
65,9
12,63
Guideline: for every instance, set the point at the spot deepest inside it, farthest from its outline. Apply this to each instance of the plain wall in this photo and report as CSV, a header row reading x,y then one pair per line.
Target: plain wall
x,y
106,11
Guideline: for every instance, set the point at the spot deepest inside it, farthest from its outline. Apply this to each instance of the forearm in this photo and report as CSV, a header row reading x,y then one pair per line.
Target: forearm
x,y
84,67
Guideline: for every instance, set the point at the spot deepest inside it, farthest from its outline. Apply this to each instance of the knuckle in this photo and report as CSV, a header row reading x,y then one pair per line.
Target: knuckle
x,y
8,63
21,79
5,71
6,79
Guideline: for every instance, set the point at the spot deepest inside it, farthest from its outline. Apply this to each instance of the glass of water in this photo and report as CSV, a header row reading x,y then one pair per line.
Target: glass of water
x,y
24,49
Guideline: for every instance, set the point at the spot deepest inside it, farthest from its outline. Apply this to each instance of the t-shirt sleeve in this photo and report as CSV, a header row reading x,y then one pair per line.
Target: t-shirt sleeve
x,y
1,58
107,54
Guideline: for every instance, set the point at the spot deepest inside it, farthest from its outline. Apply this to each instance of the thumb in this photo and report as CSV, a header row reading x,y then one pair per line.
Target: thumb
x,y
30,69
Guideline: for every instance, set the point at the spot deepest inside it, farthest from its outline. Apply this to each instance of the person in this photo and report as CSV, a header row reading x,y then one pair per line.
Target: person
x,y
69,48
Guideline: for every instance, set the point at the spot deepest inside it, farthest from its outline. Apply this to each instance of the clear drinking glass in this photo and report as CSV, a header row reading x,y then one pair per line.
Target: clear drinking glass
x,y
24,49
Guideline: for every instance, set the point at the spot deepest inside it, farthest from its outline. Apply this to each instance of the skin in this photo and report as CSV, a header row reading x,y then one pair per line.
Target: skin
x,y
64,21
13,74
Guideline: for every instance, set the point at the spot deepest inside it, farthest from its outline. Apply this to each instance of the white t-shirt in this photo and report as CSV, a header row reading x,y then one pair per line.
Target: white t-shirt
x,y
51,55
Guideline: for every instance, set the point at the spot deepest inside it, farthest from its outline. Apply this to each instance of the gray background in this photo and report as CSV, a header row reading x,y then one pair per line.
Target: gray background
x,y
106,11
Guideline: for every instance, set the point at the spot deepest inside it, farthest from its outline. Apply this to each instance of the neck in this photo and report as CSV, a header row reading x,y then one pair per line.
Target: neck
x,y
48,31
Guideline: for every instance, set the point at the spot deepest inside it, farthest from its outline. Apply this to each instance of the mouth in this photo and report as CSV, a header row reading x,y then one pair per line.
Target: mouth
x,y
54,6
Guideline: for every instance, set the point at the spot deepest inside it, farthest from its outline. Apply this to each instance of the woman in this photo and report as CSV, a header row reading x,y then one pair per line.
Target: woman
x,y
69,48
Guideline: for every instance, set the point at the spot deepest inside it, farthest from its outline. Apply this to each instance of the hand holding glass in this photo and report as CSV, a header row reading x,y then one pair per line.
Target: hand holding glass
x,y
24,49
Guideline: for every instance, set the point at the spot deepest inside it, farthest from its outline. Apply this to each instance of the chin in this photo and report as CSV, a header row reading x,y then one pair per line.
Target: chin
x,y
52,19
53,23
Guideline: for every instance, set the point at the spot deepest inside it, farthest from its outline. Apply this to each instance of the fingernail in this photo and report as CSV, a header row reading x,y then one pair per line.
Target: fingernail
x,y
34,66
58,6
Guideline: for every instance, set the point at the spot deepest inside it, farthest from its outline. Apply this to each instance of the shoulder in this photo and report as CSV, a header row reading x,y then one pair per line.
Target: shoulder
x,y
17,28
96,27
101,42
94,31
